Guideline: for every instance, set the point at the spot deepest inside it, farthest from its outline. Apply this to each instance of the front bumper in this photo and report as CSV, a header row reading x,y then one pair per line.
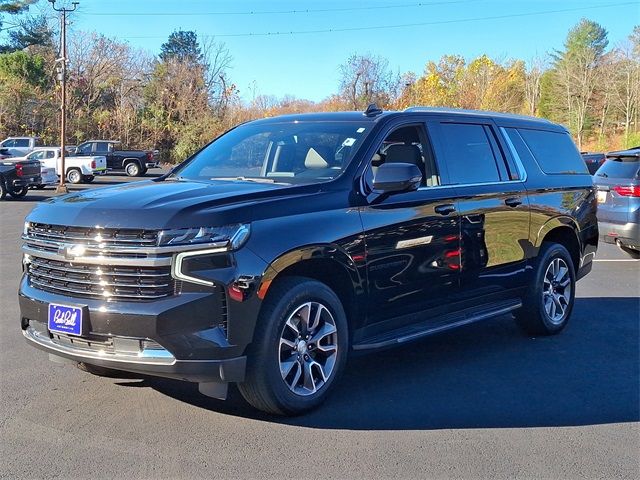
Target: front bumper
x,y
173,337
626,233
158,362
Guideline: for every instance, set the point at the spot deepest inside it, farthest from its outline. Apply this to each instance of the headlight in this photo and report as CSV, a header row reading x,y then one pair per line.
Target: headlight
x,y
233,235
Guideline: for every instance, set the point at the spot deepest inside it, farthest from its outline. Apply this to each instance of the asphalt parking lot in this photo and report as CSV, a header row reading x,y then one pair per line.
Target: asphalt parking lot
x,y
484,401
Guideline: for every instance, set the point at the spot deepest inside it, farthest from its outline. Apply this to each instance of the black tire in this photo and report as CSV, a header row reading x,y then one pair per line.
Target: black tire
x,y
3,189
88,178
99,371
21,192
632,252
533,317
132,169
264,387
144,171
40,187
74,176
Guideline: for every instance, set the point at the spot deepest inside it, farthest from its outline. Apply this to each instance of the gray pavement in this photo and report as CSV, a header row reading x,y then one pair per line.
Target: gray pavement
x,y
485,401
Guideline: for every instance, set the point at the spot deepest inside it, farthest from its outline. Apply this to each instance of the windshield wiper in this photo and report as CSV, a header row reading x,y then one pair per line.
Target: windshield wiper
x,y
247,179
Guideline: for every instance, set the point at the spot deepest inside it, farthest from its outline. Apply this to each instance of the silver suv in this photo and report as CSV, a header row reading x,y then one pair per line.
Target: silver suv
x,y
618,183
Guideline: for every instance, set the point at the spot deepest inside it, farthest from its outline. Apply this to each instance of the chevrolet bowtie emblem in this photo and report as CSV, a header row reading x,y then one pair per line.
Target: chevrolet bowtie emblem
x,y
72,251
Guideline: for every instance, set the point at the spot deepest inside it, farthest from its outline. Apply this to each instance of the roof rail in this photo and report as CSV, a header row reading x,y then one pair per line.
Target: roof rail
x,y
372,110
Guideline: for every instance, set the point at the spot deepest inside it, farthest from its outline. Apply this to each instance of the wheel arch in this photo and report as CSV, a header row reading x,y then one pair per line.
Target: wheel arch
x,y
325,263
565,231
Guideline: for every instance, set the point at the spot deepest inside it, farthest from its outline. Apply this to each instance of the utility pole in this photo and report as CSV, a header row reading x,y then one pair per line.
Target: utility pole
x,y
62,76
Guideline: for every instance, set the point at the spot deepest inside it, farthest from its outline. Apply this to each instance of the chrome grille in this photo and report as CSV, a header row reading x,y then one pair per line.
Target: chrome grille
x,y
104,281
93,237
103,263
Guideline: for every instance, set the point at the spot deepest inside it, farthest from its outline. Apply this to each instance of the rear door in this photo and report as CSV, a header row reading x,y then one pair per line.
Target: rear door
x,y
492,204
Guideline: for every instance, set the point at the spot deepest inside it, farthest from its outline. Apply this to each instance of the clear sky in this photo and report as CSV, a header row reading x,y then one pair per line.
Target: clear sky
x,y
407,32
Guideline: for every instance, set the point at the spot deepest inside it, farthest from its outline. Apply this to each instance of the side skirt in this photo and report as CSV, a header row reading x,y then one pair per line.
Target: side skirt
x,y
437,325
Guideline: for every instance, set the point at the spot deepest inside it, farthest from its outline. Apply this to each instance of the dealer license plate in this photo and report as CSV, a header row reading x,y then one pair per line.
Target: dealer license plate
x,y
65,319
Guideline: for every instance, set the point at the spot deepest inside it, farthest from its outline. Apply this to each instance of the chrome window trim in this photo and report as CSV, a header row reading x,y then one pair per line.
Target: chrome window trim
x,y
514,153
176,267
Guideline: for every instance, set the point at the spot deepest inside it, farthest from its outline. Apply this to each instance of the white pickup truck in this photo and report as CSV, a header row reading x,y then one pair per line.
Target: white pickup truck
x,y
77,169
20,146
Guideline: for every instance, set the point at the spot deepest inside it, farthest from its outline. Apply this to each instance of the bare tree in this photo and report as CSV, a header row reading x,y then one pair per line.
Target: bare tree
x,y
366,79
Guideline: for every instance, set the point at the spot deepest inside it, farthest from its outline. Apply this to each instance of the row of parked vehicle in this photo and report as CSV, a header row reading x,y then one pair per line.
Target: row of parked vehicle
x,y
616,176
25,163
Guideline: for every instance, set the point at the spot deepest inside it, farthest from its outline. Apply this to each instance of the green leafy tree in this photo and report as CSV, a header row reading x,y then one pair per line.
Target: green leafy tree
x,y
575,75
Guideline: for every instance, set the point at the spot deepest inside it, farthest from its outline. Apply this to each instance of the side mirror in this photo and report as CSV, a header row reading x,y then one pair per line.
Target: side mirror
x,y
397,177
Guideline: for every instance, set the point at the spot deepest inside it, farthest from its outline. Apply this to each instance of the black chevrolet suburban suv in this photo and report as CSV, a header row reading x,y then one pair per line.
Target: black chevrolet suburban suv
x,y
289,242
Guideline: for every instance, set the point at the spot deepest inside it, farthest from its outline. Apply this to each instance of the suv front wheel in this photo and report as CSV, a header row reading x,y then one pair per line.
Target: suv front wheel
x,y
299,349
549,300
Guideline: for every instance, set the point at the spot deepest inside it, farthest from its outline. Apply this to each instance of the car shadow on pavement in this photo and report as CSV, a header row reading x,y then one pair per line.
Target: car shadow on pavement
x,y
488,375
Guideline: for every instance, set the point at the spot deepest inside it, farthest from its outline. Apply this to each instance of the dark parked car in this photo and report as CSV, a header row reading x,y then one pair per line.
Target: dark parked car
x,y
288,242
133,162
593,160
618,183
16,176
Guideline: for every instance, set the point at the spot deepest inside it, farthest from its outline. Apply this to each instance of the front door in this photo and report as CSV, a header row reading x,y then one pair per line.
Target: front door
x,y
412,238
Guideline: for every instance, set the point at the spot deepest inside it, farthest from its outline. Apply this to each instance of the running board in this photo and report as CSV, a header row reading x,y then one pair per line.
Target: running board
x,y
447,322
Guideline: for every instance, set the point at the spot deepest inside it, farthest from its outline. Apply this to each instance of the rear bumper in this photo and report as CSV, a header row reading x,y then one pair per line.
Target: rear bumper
x,y
625,233
25,182
152,165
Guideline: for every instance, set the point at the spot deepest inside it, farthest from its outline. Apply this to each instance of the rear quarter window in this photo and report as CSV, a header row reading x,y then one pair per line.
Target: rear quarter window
x,y
554,152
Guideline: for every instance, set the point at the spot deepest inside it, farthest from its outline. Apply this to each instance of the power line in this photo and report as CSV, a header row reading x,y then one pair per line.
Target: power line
x,y
404,25
274,12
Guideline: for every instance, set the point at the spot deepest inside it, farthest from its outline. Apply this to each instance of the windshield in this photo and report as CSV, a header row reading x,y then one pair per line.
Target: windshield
x,y
292,152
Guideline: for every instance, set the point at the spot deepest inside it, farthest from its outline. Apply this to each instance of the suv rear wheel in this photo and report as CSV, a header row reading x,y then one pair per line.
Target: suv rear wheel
x,y
3,189
300,348
549,300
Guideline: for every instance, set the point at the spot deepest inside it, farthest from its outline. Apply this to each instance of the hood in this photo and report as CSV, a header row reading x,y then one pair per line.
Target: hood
x,y
162,204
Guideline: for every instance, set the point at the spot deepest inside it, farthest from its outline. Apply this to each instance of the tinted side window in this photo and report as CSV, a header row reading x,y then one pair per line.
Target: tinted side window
x,y
9,143
555,152
85,148
102,147
22,142
467,154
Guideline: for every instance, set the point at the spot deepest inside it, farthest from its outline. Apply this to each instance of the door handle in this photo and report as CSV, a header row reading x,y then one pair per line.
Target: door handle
x,y
445,209
513,201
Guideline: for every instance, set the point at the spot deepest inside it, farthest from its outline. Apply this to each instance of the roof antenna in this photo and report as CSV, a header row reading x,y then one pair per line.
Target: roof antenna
x,y
372,110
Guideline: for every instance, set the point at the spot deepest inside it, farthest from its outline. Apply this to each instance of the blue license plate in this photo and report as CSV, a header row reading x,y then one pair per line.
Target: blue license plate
x,y
64,319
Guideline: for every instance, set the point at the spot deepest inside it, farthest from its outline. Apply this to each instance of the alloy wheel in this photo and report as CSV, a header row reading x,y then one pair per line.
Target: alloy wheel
x,y
308,348
556,290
